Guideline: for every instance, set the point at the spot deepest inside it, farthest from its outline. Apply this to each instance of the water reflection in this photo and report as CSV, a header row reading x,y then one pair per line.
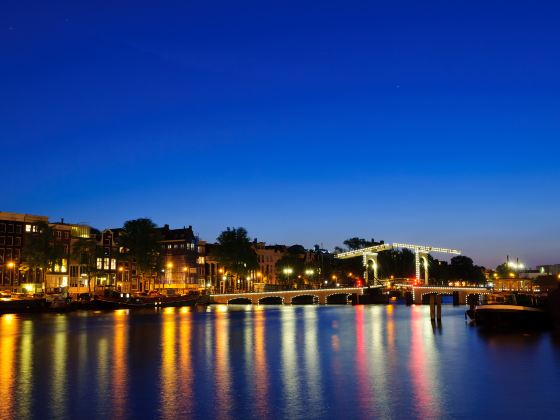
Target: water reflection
x,y
186,369
260,366
422,366
287,362
9,326
312,370
290,373
25,369
59,371
168,374
222,373
120,365
361,367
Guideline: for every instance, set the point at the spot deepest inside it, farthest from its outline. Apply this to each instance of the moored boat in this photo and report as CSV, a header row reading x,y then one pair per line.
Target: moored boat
x,y
12,304
511,311
127,301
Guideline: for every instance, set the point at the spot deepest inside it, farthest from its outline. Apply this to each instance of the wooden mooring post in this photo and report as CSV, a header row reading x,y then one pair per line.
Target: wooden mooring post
x,y
432,307
435,307
438,307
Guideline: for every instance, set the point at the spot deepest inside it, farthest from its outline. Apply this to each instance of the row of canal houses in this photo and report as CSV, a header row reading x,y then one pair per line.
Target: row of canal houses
x,y
186,261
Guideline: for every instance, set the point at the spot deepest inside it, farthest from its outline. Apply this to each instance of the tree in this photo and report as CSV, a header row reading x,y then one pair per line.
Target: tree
x,y
396,262
235,252
293,260
463,268
85,251
358,243
503,271
140,238
41,250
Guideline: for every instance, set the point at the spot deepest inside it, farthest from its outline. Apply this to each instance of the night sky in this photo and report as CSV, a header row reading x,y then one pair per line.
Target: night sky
x,y
305,122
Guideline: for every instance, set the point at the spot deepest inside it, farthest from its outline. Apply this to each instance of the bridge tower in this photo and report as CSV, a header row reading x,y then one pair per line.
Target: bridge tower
x,y
421,260
367,258
421,252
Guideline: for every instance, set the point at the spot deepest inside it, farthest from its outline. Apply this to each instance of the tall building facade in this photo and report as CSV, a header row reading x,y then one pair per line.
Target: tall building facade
x,y
15,275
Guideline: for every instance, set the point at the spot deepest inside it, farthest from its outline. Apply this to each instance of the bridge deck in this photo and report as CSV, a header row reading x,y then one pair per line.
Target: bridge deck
x,y
287,295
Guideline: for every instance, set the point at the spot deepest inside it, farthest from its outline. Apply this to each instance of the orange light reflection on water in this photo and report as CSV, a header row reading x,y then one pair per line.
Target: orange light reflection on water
x,y
222,373
186,370
120,363
261,371
169,397
9,325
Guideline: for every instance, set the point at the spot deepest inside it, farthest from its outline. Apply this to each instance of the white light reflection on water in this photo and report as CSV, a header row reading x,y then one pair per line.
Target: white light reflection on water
x,y
289,366
58,391
312,369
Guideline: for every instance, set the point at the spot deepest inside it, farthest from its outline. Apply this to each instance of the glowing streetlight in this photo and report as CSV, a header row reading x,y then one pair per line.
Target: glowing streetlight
x,y
169,265
11,264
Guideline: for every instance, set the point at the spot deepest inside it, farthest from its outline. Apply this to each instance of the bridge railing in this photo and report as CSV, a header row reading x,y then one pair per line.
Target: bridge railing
x,y
316,290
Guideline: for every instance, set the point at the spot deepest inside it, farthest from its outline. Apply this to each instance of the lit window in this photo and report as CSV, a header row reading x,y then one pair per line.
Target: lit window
x,y
100,263
28,228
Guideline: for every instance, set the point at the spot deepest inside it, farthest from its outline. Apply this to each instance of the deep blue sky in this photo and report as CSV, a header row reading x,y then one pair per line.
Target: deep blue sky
x,y
426,122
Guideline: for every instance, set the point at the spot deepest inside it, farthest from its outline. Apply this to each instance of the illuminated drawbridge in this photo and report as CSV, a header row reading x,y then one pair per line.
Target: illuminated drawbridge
x,y
369,256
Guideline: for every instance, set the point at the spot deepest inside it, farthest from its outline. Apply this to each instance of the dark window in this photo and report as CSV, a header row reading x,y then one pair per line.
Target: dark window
x,y
2,227
10,228
2,240
18,228
9,240
17,241
66,235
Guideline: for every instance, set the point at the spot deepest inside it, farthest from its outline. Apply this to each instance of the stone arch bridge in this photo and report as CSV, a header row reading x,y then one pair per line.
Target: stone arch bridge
x,y
286,296
462,292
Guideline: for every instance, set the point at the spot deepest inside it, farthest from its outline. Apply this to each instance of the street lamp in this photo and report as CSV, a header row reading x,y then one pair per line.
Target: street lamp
x,y
12,265
121,270
287,271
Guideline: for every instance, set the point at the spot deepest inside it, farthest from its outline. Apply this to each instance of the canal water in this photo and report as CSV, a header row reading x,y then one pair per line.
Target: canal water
x,y
272,362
